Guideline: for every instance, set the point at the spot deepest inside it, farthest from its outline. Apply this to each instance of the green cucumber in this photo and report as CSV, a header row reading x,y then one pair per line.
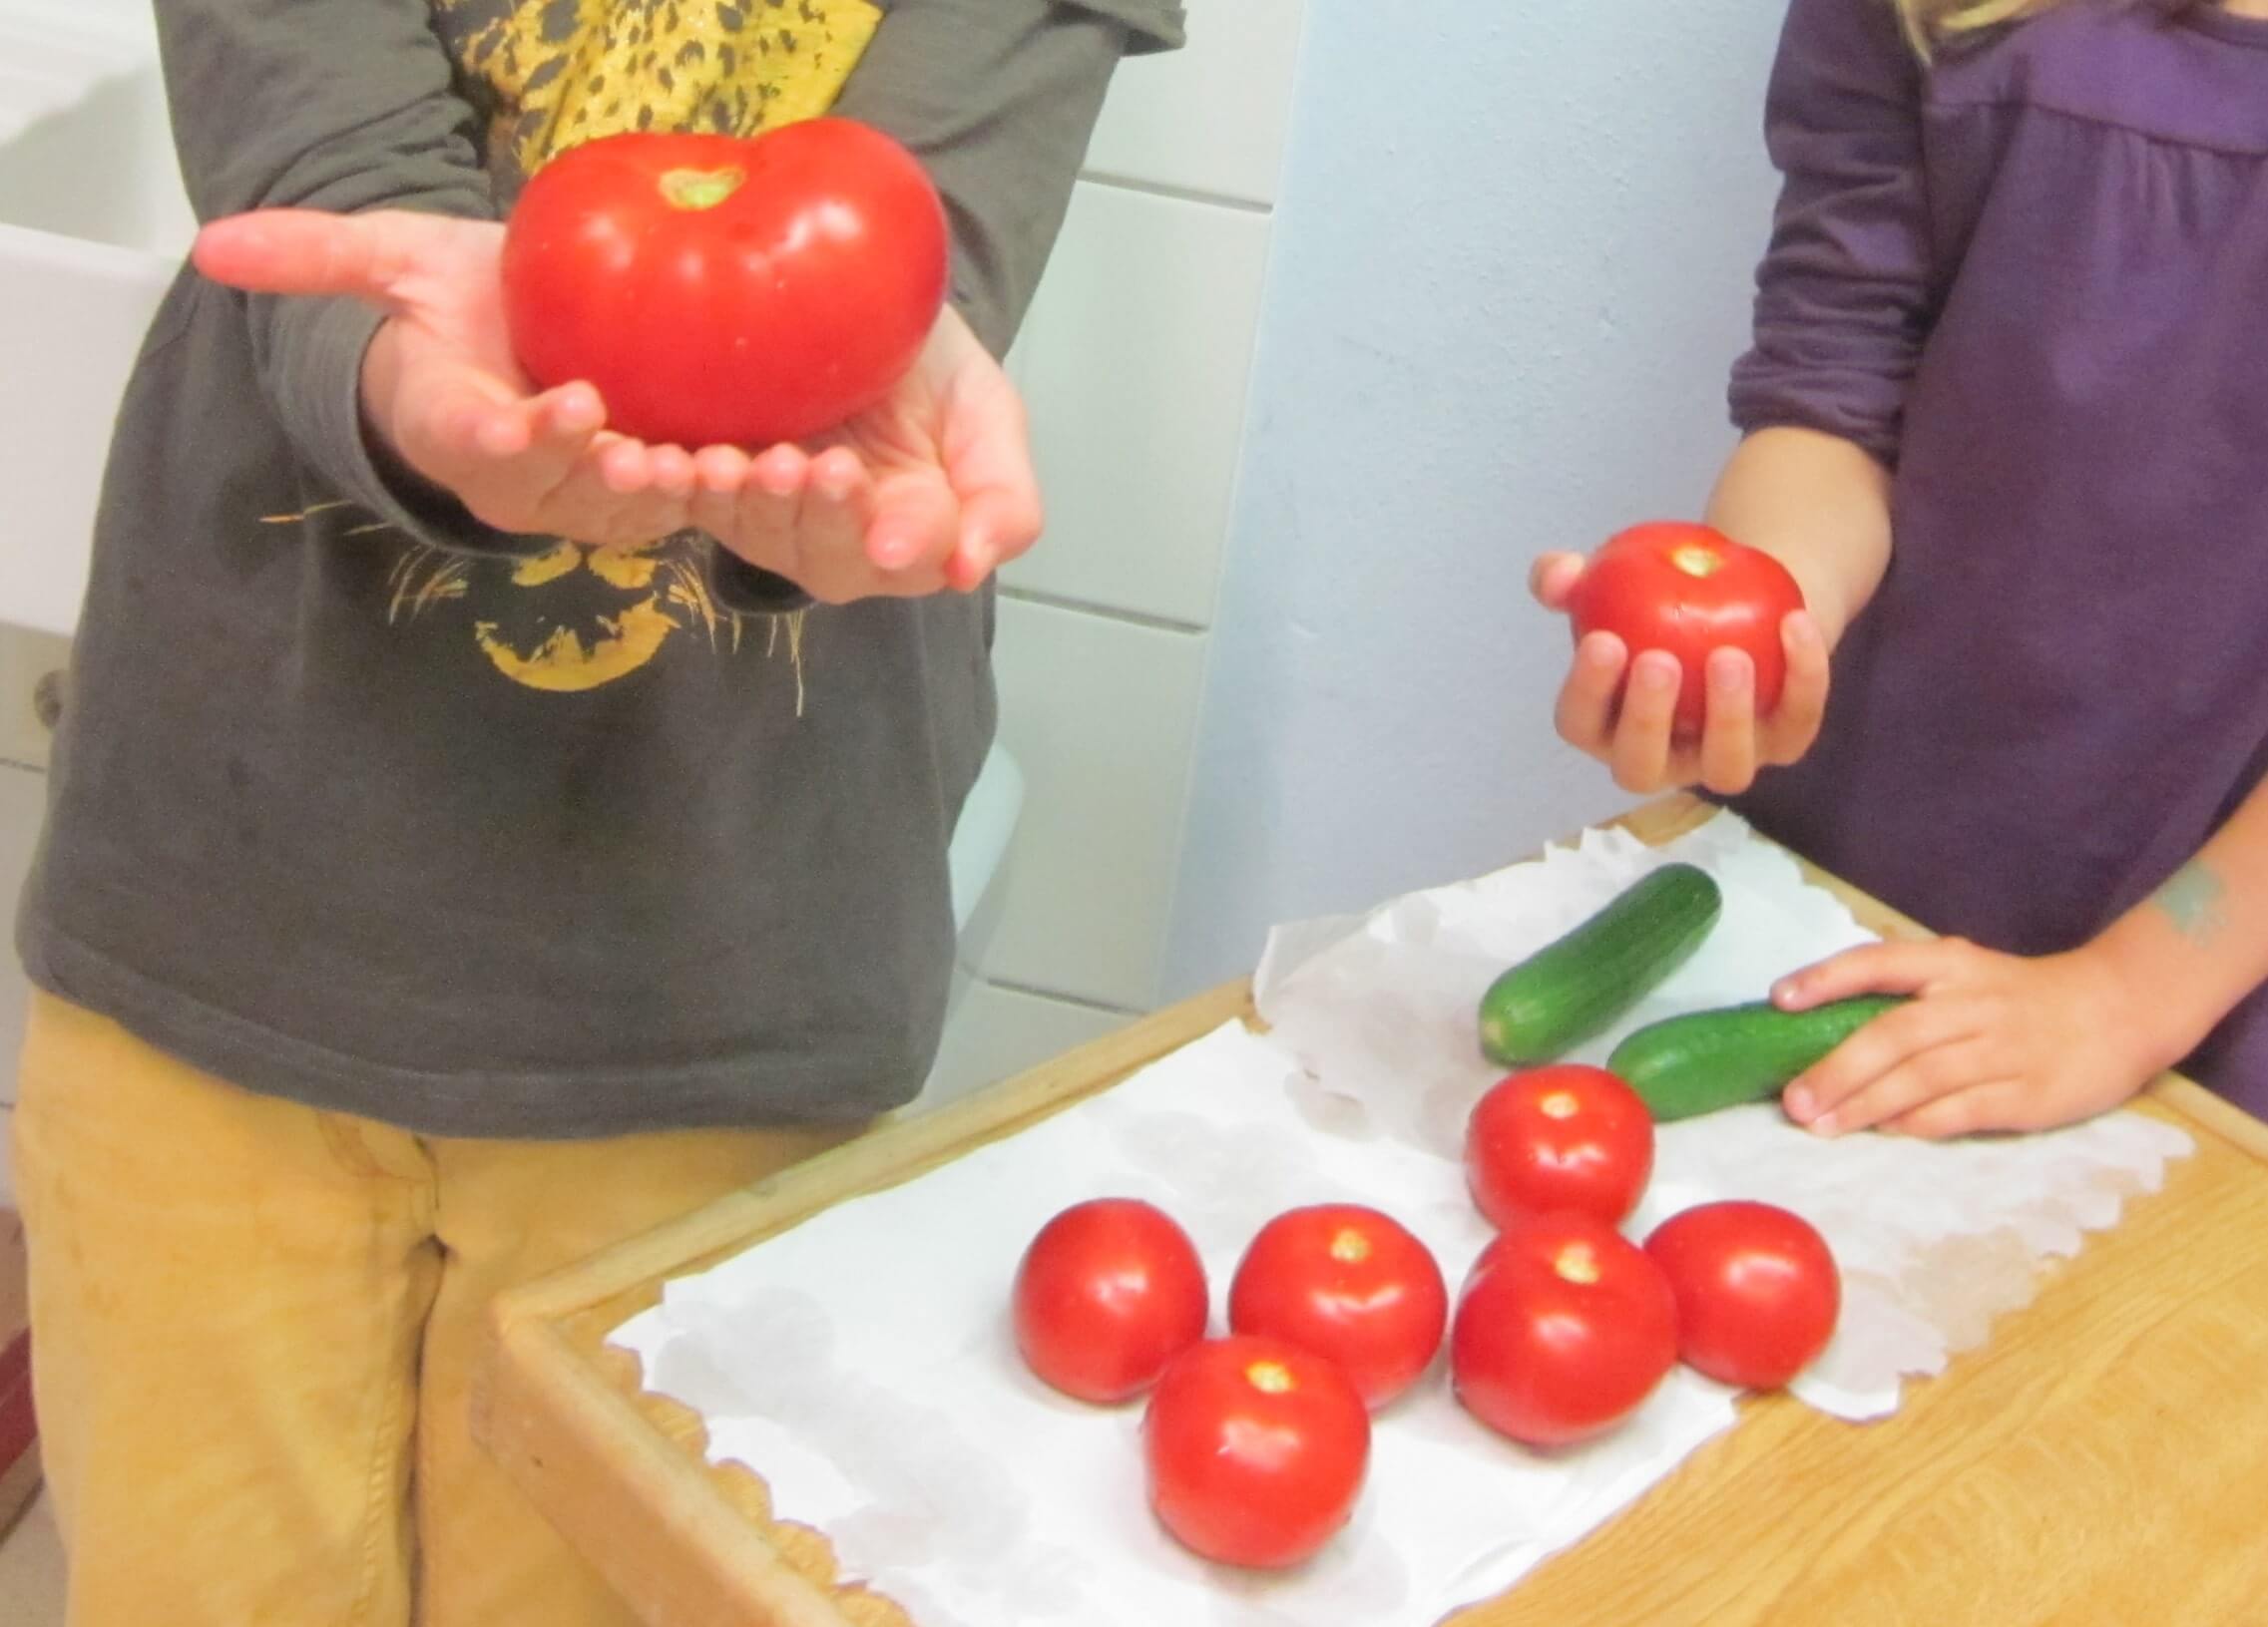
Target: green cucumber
x,y
1578,984
1701,1062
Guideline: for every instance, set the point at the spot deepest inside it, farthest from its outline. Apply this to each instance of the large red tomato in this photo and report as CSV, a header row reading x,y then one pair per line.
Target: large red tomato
x,y
1108,1293
1758,1293
1568,1136
1563,1329
722,291
1689,590
1352,1285
1256,1451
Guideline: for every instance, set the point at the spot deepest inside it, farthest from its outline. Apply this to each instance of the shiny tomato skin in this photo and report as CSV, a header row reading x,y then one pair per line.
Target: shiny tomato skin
x,y
1255,1450
1563,1330
721,290
1758,1291
1563,1137
1350,1284
1107,1294
1689,590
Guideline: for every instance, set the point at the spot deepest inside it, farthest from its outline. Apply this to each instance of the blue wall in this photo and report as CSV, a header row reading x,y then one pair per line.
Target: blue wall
x,y
1512,264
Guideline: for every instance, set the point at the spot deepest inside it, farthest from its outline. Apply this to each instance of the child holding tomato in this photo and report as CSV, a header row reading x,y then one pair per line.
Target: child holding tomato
x,y
2006,421
476,834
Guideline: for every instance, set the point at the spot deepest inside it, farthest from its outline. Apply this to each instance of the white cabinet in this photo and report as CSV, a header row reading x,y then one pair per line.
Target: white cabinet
x,y
73,316
1134,361
1211,118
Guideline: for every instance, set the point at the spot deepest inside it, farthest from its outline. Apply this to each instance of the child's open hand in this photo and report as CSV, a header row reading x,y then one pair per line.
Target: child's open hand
x,y
440,386
931,488
1631,731
1990,1042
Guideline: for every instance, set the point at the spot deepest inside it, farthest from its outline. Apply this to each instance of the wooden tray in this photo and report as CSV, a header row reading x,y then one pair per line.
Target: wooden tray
x,y
2104,1459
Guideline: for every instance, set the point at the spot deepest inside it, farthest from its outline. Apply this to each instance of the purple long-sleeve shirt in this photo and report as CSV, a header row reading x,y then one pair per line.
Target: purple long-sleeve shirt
x,y
2033,277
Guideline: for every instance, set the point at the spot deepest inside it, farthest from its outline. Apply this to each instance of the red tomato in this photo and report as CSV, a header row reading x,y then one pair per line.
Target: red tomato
x,y
1108,1293
1689,590
1568,1136
721,290
1349,1284
1256,1451
1757,1289
1563,1329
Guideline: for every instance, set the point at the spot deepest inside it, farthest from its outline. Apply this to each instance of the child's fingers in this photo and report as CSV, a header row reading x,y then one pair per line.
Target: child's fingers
x,y
988,466
830,529
1585,715
584,507
453,413
555,430
1888,967
764,523
674,472
718,474
625,465
314,251
1912,1079
997,524
915,524
1728,737
1795,720
980,549
1640,755
2000,1105
1553,576
1878,1048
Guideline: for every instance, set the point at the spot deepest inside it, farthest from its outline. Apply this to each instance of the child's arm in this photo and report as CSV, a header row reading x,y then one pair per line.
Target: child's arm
x,y
2008,1042
1843,300
348,108
1821,505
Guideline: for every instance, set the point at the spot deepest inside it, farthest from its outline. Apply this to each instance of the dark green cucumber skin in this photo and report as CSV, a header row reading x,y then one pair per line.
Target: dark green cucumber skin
x,y
1703,1061
1577,985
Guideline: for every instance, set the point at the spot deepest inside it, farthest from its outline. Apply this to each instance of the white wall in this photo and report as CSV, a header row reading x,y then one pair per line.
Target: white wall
x,y
1511,266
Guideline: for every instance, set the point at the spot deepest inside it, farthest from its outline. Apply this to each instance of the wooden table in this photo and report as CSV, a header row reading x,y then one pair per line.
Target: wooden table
x,y
2102,1461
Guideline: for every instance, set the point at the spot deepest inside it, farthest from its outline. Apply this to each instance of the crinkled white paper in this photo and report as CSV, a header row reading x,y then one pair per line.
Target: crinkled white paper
x,y
863,1363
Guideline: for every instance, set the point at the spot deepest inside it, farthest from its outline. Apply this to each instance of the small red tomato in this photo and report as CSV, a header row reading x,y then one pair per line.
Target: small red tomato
x,y
1108,1293
1350,1284
1758,1292
1256,1450
1563,1330
1568,1136
1689,590
727,290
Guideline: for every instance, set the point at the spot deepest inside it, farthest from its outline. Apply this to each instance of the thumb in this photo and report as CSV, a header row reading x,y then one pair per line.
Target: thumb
x,y
987,461
310,251
1553,576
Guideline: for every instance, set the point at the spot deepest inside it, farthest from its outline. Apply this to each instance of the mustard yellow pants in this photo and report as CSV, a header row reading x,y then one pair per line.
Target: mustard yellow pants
x,y
255,1329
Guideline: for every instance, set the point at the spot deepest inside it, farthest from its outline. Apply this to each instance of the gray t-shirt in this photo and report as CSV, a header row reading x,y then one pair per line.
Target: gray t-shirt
x,y
362,804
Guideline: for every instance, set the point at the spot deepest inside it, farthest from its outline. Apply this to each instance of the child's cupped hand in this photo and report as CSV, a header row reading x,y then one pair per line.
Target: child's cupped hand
x,y
1631,728
931,488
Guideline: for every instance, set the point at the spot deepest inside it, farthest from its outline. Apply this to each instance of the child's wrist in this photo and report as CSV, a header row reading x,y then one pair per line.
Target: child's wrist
x,y
2166,997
